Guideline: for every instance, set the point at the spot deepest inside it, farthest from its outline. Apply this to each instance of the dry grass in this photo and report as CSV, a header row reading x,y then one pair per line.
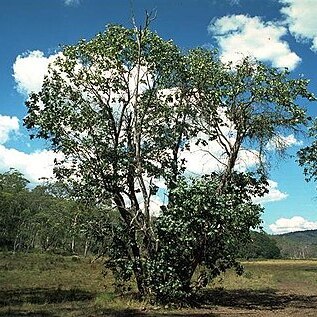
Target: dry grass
x,y
51,286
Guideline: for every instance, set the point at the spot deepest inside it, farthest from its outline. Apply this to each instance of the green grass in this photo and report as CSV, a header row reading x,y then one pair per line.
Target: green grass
x,y
40,282
297,276
42,270
51,286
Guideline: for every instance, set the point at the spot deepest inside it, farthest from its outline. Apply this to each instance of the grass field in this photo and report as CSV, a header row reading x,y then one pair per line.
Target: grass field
x,y
50,286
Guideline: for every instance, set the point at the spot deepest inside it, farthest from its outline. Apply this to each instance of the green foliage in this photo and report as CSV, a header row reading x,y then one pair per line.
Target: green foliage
x,y
13,208
307,156
197,232
13,182
122,108
262,246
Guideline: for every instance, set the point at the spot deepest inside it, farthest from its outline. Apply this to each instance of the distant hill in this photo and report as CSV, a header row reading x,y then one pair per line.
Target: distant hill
x,y
299,244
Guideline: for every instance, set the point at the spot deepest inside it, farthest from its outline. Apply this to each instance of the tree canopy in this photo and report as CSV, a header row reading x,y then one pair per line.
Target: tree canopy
x,y
125,109
307,156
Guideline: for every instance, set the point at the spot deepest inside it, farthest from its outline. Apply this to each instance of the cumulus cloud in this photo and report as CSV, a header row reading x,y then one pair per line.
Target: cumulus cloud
x,y
202,159
205,159
8,125
274,194
211,157
239,36
29,70
282,142
297,223
300,16
34,166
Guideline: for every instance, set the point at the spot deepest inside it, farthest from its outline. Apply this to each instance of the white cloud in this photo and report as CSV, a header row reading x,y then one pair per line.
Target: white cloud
x,y
247,158
300,15
205,159
283,142
274,194
71,2
200,159
34,165
7,126
211,157
297,223
239,36
155,205
29,70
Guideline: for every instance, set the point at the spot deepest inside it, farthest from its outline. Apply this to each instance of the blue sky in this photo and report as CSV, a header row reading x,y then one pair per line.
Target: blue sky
x,y
282,33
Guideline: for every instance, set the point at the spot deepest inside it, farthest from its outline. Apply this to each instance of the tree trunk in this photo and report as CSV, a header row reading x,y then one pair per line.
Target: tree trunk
x,y
15,244
231,163
86,247
135,249
73,244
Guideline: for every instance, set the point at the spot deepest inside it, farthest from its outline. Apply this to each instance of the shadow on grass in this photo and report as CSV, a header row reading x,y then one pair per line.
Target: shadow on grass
x,y
16,313
264,299
42,296
158,314
103,313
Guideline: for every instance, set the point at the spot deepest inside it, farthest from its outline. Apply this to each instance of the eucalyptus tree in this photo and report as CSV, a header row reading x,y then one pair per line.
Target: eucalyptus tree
x,y
123,108
13,208
36,218
51,221
106,104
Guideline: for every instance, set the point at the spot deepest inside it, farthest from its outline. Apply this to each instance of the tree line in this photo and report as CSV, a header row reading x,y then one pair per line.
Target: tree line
x,y
45,218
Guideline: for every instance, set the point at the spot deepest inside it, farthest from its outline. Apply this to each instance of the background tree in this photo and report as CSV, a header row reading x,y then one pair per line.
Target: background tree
x,y
262,246
307,156
13,209
52,219
123,108
43,218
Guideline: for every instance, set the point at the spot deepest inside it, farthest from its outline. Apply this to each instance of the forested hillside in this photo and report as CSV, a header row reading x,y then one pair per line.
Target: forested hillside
x,y
293,245
301,244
